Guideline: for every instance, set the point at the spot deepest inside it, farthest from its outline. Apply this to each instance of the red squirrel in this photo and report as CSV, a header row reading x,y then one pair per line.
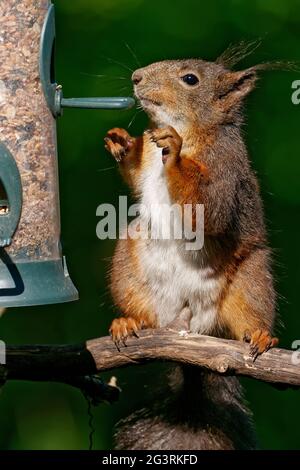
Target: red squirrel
x,y
194,153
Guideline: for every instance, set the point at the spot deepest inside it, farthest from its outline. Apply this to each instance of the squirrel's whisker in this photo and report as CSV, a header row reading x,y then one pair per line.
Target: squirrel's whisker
x,y
133,119
111,60
106,169
110,77
133,54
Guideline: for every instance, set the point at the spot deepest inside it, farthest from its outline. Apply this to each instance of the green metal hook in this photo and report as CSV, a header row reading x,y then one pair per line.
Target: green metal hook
x,y
53,92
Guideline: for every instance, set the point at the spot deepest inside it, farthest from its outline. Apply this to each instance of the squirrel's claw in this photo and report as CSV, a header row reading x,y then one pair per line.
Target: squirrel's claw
x,y
169,140
121,328
118,142
260,342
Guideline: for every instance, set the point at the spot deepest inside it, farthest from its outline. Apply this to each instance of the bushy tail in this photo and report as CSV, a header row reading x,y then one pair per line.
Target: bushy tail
x,y
197,410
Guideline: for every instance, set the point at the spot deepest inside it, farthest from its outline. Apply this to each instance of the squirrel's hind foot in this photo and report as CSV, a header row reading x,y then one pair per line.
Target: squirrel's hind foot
x,y
121,328
260,342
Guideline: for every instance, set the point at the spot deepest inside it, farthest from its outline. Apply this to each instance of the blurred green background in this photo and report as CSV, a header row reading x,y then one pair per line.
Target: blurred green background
x,y
91,39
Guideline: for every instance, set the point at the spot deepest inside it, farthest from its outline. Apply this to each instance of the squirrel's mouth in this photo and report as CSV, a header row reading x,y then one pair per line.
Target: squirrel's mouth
x,y
148,101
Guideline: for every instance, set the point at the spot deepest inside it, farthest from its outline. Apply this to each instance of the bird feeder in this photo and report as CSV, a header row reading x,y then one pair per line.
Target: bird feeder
x,y
33,270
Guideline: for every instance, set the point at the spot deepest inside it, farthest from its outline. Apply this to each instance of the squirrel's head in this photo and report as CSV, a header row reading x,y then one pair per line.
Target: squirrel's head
x,y
180,92
183,92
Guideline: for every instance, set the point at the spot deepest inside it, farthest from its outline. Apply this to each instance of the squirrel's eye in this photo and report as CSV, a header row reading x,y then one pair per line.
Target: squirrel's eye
x,y
190,79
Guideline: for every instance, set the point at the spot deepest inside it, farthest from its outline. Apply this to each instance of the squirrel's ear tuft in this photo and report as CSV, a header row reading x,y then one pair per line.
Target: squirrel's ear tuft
x,y
234,86
237,52
284,65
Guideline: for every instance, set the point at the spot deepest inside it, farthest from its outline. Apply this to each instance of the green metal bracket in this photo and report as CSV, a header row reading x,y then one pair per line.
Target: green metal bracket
x,y
11,180
53,92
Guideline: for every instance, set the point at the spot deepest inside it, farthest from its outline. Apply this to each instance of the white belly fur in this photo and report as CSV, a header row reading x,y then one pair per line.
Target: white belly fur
x,y
175,277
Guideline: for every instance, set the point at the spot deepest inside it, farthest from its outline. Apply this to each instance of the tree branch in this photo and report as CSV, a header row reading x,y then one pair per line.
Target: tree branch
x,y
56,364
67,363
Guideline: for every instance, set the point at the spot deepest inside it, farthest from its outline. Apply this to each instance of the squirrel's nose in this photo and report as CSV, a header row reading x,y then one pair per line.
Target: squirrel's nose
x,y
137,77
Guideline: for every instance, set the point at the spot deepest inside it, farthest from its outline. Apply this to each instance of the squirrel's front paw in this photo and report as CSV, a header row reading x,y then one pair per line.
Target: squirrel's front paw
x,y
260,342
169,140
119,143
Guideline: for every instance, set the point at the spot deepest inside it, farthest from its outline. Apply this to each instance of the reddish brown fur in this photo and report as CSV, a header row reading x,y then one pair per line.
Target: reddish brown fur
x,y
206,162
129,289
